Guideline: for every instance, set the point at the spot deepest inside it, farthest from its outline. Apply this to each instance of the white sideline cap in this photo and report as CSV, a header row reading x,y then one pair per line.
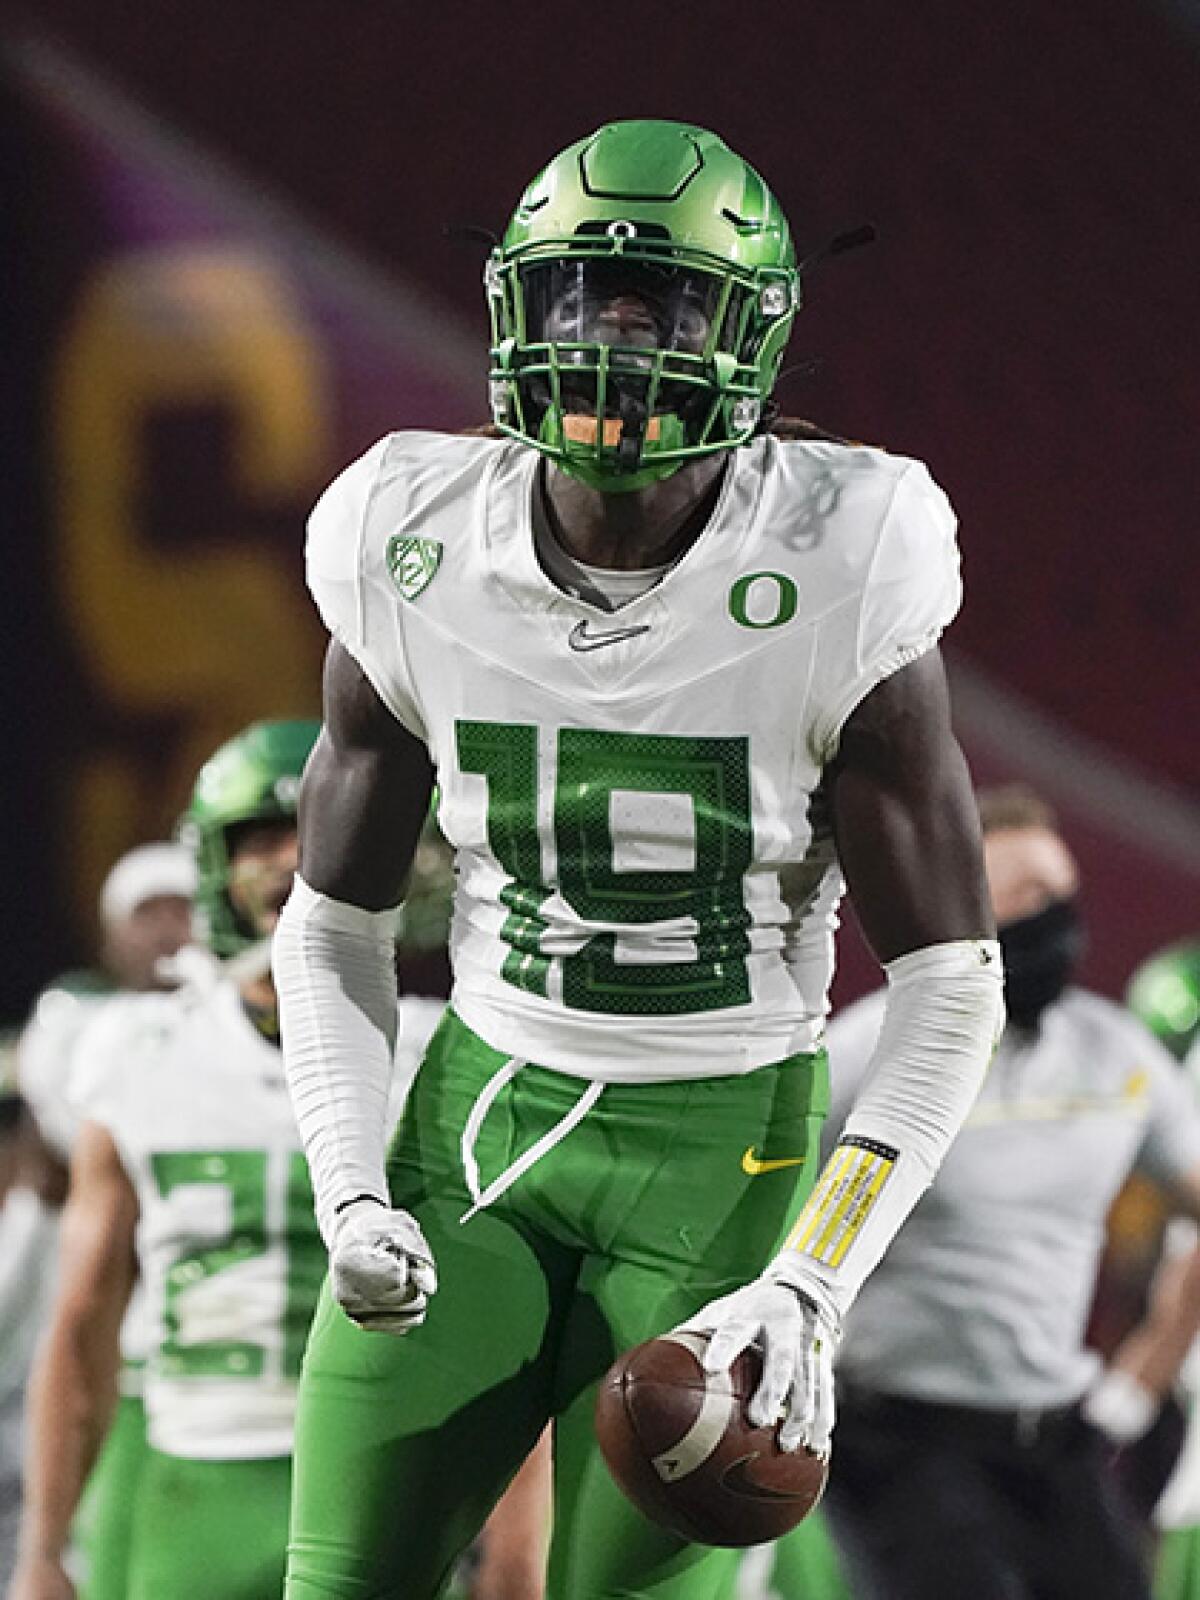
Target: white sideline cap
x,y
144,873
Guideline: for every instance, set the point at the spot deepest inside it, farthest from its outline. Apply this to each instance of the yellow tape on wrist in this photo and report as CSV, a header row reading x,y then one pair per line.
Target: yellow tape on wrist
x,y
846,1192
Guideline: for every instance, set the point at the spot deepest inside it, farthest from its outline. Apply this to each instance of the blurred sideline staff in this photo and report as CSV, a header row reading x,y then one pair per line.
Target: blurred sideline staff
x,y
963,1378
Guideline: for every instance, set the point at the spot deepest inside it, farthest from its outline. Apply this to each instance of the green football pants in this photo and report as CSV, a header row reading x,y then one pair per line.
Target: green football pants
x,y
803,1566
209,1530
1177,1566
642,1214
104,1525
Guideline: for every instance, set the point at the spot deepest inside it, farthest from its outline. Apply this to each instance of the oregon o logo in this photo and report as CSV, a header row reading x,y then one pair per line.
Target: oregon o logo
x,y
763,600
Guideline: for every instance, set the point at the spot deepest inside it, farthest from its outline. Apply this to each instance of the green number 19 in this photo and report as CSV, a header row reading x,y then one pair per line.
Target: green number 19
x,y
595,773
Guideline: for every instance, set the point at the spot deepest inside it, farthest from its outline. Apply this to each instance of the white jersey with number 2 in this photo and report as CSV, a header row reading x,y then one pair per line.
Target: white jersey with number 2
x,y
196,1103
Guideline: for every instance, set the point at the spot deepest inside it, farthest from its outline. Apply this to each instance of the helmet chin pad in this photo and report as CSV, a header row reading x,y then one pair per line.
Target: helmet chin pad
x,y
591,450
580,428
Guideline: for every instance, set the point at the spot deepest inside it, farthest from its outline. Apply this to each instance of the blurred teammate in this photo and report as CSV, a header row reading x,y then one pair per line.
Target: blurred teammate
x,y
969,1461
1165,994
30,1196
188,1168
1166,1343
144,914
673,676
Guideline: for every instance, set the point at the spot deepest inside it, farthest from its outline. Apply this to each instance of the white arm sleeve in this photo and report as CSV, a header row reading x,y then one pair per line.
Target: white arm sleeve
x,y
943,1016
334,969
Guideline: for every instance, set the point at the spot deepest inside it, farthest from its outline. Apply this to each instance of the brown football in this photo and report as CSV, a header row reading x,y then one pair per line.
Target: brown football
x,y
678,1442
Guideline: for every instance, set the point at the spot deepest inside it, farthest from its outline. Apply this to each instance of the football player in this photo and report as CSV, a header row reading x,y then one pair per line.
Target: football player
x,y
145,916
187,1170
676,679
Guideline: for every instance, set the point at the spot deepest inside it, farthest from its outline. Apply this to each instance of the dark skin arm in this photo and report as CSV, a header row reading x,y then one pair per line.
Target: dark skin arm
x,y
365,794
905,820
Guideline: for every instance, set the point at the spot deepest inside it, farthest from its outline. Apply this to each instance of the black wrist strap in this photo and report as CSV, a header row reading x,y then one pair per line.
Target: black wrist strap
x,y
344,1205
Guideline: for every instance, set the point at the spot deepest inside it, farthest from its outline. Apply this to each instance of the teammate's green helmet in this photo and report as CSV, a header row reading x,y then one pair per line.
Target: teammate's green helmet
x,y
255,777
1164,993
640,299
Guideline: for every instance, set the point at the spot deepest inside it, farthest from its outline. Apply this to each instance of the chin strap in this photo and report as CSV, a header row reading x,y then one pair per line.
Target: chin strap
x,y
634,417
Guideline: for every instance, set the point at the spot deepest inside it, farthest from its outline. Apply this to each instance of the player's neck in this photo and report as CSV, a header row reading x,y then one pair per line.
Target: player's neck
x,y
648,527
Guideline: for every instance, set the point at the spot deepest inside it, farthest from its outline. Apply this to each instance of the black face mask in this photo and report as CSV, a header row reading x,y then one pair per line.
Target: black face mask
x,y
1040,954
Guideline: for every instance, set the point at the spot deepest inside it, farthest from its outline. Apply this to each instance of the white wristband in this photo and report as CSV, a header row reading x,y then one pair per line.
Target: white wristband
x,y
334,967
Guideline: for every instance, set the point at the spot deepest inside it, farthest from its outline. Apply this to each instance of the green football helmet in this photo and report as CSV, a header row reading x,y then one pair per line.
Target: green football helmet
x,y
1164,993
255,777
641,299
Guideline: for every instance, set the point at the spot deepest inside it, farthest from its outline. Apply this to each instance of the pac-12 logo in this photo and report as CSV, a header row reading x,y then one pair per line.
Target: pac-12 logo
x,y
412,562
763,600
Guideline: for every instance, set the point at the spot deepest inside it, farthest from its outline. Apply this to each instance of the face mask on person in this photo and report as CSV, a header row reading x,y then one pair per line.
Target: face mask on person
x,y
1040,954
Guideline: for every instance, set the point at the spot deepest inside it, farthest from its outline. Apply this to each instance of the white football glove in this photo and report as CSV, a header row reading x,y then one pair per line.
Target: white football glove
x,y
797,1331
381,1268
1119,1406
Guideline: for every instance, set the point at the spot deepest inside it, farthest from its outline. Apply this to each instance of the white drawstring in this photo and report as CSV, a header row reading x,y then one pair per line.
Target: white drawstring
x,y
536,1151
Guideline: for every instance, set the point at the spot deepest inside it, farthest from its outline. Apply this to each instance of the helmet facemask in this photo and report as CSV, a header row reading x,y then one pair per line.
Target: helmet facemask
x,y
624,347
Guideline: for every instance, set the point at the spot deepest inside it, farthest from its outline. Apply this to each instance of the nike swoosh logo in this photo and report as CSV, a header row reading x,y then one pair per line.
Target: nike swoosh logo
x,y
752,1166
580,639
737,1478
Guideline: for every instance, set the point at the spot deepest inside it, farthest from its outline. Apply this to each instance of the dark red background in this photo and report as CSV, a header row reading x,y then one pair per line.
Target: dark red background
x,y
1026,322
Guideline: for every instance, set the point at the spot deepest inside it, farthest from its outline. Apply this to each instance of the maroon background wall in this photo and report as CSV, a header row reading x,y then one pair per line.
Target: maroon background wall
x,y
1026,322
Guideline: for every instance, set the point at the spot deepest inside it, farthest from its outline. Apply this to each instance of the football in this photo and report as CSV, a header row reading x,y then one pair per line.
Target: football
x,y
678,1442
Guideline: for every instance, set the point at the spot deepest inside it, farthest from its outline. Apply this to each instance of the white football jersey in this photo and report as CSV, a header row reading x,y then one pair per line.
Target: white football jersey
x,y
230,1257
647,885
49,1063
60,1016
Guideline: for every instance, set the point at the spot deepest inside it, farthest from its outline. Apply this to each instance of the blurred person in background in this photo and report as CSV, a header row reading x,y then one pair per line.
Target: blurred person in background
x,y
31,1192
974,1423
1166,1342
187,1172
144,915
1165,993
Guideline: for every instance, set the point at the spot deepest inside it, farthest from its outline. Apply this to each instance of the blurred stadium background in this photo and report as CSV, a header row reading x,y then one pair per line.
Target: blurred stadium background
x,y
230,265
